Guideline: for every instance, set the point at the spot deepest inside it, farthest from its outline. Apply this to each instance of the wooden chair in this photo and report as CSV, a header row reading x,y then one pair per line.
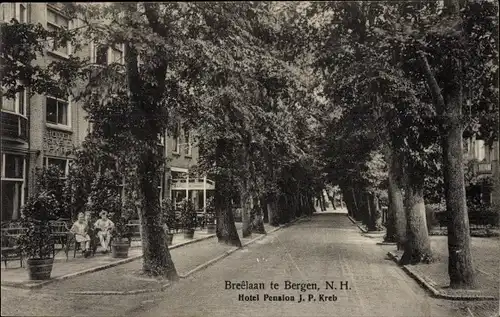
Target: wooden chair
x,y
60,233
10,250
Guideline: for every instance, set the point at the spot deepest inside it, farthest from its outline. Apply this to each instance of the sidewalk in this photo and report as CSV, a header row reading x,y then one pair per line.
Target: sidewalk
x,y
434,276
15,276
121,274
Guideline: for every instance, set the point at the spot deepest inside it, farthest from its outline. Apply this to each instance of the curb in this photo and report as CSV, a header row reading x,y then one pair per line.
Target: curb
x,y
354,222
430,286
96,269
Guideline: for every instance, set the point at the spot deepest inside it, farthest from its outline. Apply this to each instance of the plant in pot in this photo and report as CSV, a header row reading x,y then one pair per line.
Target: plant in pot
x,y
169,220
188,219
210,216
121,237
37,242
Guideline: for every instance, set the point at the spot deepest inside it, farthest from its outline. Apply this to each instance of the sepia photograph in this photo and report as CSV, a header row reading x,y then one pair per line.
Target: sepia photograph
x,y
250,158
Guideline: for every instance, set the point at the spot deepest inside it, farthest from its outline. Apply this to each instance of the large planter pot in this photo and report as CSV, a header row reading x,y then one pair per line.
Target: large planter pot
x,y
119,248
40,269
189,233
211,228
170,238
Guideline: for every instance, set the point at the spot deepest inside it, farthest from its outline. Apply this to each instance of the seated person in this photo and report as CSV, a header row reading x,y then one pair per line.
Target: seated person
x,y
80,228
104,227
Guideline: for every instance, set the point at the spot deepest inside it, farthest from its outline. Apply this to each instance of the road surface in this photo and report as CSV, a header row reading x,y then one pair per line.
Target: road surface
x,y
328,248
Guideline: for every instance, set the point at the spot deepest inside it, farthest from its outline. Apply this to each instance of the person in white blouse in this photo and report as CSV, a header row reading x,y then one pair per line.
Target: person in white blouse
x,y
80,230
104,227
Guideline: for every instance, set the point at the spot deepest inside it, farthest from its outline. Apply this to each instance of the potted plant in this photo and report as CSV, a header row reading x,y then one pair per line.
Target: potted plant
x,y
210,216
188,219
169,220
121,237
37,242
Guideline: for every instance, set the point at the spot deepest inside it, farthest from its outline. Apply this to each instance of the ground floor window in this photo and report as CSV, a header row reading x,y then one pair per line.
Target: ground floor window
x,y
13,185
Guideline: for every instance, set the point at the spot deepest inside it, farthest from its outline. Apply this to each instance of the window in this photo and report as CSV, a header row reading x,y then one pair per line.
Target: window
x,y
61,164
161,139
22,16
101,55
57,111
176,144
56,21
187,141
16,105
105,54
13,185
117,54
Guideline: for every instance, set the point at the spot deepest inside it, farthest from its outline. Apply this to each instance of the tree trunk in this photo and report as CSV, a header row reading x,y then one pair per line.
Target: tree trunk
x,y
246,229
362,206
271,210
460,266
348,201
418,247
356,205
396,205
226,228
390,223
263,207
323,203
375,213
258,225
331,198
310,205
156,259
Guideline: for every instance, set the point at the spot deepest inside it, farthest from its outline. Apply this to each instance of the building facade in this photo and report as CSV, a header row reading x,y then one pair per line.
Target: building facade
x,y
37,130
182,156
484,161
42,130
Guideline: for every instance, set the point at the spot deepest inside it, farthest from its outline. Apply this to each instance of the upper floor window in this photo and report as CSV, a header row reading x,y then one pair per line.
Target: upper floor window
x,y
117,55
57,111
187,141
22,12
56,21
107,54
101,55
18,11
176,146
16,105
